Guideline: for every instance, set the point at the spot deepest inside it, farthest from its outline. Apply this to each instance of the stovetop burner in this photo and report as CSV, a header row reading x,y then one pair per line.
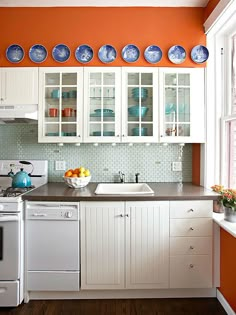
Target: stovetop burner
x,y
14,192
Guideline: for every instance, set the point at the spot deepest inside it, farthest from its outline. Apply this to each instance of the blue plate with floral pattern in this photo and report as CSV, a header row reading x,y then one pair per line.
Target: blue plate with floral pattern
x,y
15,53
38,53
130,53
153,54
177,54
61,53
199,54
84,53
107,54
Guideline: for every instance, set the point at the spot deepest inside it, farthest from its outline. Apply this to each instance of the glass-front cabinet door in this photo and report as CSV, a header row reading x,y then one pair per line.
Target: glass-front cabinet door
x,y
140,105
102,99
61,103
182,105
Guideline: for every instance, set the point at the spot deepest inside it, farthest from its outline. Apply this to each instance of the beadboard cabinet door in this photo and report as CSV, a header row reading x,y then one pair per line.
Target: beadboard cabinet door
x,y
147,245
102,245
19,86
124,245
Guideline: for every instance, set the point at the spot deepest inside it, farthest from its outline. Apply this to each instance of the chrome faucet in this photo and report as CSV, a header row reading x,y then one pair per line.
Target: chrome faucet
x,y
136,177
122,177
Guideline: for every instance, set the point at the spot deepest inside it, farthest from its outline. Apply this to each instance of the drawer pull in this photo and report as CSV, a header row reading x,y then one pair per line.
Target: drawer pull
x,y
191,228
190,210
191,265
191,247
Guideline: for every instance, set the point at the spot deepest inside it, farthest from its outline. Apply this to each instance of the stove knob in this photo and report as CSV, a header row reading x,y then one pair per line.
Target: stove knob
x,y
1,207
68,214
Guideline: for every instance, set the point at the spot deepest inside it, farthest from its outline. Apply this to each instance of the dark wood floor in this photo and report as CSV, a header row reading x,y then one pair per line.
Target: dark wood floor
x,y
195,306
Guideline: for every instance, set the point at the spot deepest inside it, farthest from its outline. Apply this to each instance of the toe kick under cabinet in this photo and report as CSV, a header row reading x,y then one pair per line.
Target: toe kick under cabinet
x,y
191,244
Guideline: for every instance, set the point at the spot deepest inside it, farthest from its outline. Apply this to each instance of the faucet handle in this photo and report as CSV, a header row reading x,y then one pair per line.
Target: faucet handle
x,y
122,177
136,177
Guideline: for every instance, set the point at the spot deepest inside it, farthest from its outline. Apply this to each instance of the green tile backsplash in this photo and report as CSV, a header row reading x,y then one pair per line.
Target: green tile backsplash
x,y
104,161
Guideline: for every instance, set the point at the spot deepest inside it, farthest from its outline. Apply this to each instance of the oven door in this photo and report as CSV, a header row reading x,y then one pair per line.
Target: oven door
x,y
9,246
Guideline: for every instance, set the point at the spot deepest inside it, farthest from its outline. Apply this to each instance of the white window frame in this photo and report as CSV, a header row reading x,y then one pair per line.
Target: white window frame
x,y
220,27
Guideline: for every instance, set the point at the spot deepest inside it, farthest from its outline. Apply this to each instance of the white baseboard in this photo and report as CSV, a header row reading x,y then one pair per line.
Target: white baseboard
x,y
224,303
121,294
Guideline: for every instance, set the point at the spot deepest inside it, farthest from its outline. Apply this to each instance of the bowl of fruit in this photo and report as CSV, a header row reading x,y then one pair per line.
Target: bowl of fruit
x,y
77,178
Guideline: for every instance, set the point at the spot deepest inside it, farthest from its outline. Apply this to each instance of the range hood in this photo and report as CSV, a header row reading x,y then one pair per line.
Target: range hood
x,y
16,114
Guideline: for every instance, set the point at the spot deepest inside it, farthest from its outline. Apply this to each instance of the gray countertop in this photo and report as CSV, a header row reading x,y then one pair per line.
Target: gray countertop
x,y
162,191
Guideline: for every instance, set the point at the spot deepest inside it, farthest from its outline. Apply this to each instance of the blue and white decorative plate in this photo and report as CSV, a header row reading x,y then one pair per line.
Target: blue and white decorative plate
x,y
153,54
84,53
130,53
15,53
199,54
38,53
61,53
107,53
177,54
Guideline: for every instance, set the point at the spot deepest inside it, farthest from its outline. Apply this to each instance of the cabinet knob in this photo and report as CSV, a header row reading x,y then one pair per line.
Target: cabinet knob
x,y
121,215
123,135
126,215
191,265
191,247
191,228
117,135
190,210
79,136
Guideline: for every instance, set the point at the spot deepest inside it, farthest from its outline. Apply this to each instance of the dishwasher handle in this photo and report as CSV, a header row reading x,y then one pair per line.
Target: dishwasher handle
x,y
39,215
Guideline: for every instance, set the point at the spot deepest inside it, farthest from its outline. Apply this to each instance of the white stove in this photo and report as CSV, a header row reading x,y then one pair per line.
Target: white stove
x,y
39,177
12,225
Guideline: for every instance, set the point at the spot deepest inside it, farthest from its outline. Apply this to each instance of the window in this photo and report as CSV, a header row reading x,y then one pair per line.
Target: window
x,y
229,134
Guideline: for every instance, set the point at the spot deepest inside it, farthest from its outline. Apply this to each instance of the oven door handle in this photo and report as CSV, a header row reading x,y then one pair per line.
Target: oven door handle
x,y
8,218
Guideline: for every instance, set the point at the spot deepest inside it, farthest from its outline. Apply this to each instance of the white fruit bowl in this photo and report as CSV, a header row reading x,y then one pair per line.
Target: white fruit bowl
x,y
77,182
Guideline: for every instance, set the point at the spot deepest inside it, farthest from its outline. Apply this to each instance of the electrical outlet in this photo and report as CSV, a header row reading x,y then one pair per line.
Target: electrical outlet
x,y
60,165
176,166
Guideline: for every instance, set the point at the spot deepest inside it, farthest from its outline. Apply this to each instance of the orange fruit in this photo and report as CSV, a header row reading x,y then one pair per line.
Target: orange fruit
x,y
76,170
68,173
74,175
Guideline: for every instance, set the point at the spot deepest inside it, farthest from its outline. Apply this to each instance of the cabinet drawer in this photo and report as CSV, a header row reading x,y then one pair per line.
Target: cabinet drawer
x,y
191,227
191,209
191,271
190,246
9,293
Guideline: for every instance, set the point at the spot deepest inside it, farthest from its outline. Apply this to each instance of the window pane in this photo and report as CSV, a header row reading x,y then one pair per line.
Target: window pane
x,y
234,75
231,153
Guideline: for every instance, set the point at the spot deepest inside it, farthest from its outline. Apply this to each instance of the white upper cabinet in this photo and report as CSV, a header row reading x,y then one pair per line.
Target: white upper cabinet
x,y
140,105
60,105
121,105
18,86
182,105
102,104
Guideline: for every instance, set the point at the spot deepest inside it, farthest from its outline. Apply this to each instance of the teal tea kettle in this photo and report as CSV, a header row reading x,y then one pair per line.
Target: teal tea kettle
x,y
21,179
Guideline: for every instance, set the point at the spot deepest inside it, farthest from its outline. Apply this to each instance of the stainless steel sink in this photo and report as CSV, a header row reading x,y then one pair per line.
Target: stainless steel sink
x,y
123,189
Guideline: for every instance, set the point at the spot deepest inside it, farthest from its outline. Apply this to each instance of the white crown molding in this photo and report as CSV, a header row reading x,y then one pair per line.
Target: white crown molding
x,y
103,3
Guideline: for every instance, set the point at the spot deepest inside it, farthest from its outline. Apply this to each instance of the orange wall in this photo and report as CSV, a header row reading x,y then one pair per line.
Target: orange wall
x,y
98,26
196,165
227,267
210,7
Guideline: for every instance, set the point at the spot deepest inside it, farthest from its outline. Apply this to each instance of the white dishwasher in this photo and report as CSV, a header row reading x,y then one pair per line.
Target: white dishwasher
x,y
52,246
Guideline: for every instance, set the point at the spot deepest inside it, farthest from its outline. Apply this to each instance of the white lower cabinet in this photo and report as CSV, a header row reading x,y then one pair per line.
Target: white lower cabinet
x,y
191,244
124,245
